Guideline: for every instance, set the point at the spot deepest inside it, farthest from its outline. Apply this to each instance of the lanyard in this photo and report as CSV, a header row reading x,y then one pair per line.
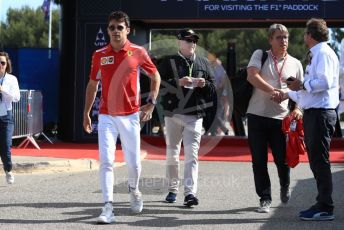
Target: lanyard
x,y
279,72
188,64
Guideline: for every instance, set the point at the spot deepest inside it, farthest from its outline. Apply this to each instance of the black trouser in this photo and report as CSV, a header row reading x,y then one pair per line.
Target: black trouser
x,y
266,132
319,126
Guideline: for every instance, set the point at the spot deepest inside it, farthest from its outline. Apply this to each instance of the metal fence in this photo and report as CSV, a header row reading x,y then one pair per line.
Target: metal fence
x,y
28,116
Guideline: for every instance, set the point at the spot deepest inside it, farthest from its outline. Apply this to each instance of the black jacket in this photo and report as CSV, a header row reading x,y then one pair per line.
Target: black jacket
x,y
180,100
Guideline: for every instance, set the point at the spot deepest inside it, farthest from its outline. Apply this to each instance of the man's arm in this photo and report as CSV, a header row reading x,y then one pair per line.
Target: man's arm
x,y
91,92
155,85
257,81
147,109
207,84
10,92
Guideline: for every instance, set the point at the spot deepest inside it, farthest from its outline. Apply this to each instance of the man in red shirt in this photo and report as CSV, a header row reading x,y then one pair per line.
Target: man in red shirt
x,y
117,66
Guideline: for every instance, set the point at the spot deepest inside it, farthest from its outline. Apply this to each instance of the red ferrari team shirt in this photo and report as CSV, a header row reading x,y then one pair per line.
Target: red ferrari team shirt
x,y
119,75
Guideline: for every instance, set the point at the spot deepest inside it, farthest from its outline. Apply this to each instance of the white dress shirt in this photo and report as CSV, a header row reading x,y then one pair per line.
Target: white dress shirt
x,y
10,93
321,80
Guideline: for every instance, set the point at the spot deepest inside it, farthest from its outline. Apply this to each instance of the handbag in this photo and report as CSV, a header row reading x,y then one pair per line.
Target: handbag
x,y
295,145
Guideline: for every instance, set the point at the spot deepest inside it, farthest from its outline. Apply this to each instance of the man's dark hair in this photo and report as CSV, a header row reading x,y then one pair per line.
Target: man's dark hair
x,y
119,16
317,28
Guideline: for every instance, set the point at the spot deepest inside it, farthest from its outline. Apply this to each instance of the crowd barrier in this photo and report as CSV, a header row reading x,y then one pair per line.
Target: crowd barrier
x,y
28,117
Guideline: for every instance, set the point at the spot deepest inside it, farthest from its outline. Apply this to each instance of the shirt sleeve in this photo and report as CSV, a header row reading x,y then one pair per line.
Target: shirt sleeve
x,y
210,86
10,90
95,72
256,59
147,63
294,96
323,70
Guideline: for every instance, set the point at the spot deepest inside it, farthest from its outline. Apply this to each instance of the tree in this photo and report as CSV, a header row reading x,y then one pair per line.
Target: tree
x,y
337,35
216,41
26,27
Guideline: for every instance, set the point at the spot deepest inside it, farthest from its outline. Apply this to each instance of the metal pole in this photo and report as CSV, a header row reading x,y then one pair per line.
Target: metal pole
x,y
50,22
1,44
150,40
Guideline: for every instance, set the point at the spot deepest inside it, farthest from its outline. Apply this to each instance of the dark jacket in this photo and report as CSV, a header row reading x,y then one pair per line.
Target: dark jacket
x,y
179,100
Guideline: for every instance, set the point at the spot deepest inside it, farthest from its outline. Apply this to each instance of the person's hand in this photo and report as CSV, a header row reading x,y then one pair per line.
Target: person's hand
x,y
278,96
297,113
185,81
146,112
87,124
294,84
200,82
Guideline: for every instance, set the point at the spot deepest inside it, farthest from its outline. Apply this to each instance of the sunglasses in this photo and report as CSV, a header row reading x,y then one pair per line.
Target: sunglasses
x,y
3,63
113,28
188,40
281,38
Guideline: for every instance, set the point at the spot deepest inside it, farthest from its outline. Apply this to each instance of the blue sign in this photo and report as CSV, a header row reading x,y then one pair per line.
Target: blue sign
x,y
233,9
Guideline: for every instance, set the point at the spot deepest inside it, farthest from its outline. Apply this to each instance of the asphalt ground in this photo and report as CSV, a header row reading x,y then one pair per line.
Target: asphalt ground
x,y
72,200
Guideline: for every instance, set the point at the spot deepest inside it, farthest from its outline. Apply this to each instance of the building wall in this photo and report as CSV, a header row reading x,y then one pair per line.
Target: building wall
x,y
38,69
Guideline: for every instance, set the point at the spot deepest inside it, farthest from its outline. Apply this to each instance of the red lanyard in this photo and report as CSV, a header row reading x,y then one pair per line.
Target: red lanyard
x,y
279,72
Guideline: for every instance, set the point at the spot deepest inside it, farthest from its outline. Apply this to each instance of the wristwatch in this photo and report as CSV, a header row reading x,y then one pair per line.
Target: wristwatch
x,y
151,101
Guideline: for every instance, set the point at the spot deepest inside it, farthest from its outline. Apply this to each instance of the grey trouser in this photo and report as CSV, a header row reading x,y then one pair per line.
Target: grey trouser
x,y
186,128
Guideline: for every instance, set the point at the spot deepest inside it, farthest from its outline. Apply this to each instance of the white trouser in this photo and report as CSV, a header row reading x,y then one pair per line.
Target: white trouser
x,y
187,128
128,129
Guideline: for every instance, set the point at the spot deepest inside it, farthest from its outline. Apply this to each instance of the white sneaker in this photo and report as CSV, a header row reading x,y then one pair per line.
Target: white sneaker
x,y
107,216
136,203
9,177
264,206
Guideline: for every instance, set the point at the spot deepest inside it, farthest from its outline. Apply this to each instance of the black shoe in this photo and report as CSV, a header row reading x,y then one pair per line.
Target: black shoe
x,y
285,195
171,197
190,200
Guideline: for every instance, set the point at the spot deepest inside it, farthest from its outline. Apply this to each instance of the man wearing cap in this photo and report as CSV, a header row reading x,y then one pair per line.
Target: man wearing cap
x,y
187,85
